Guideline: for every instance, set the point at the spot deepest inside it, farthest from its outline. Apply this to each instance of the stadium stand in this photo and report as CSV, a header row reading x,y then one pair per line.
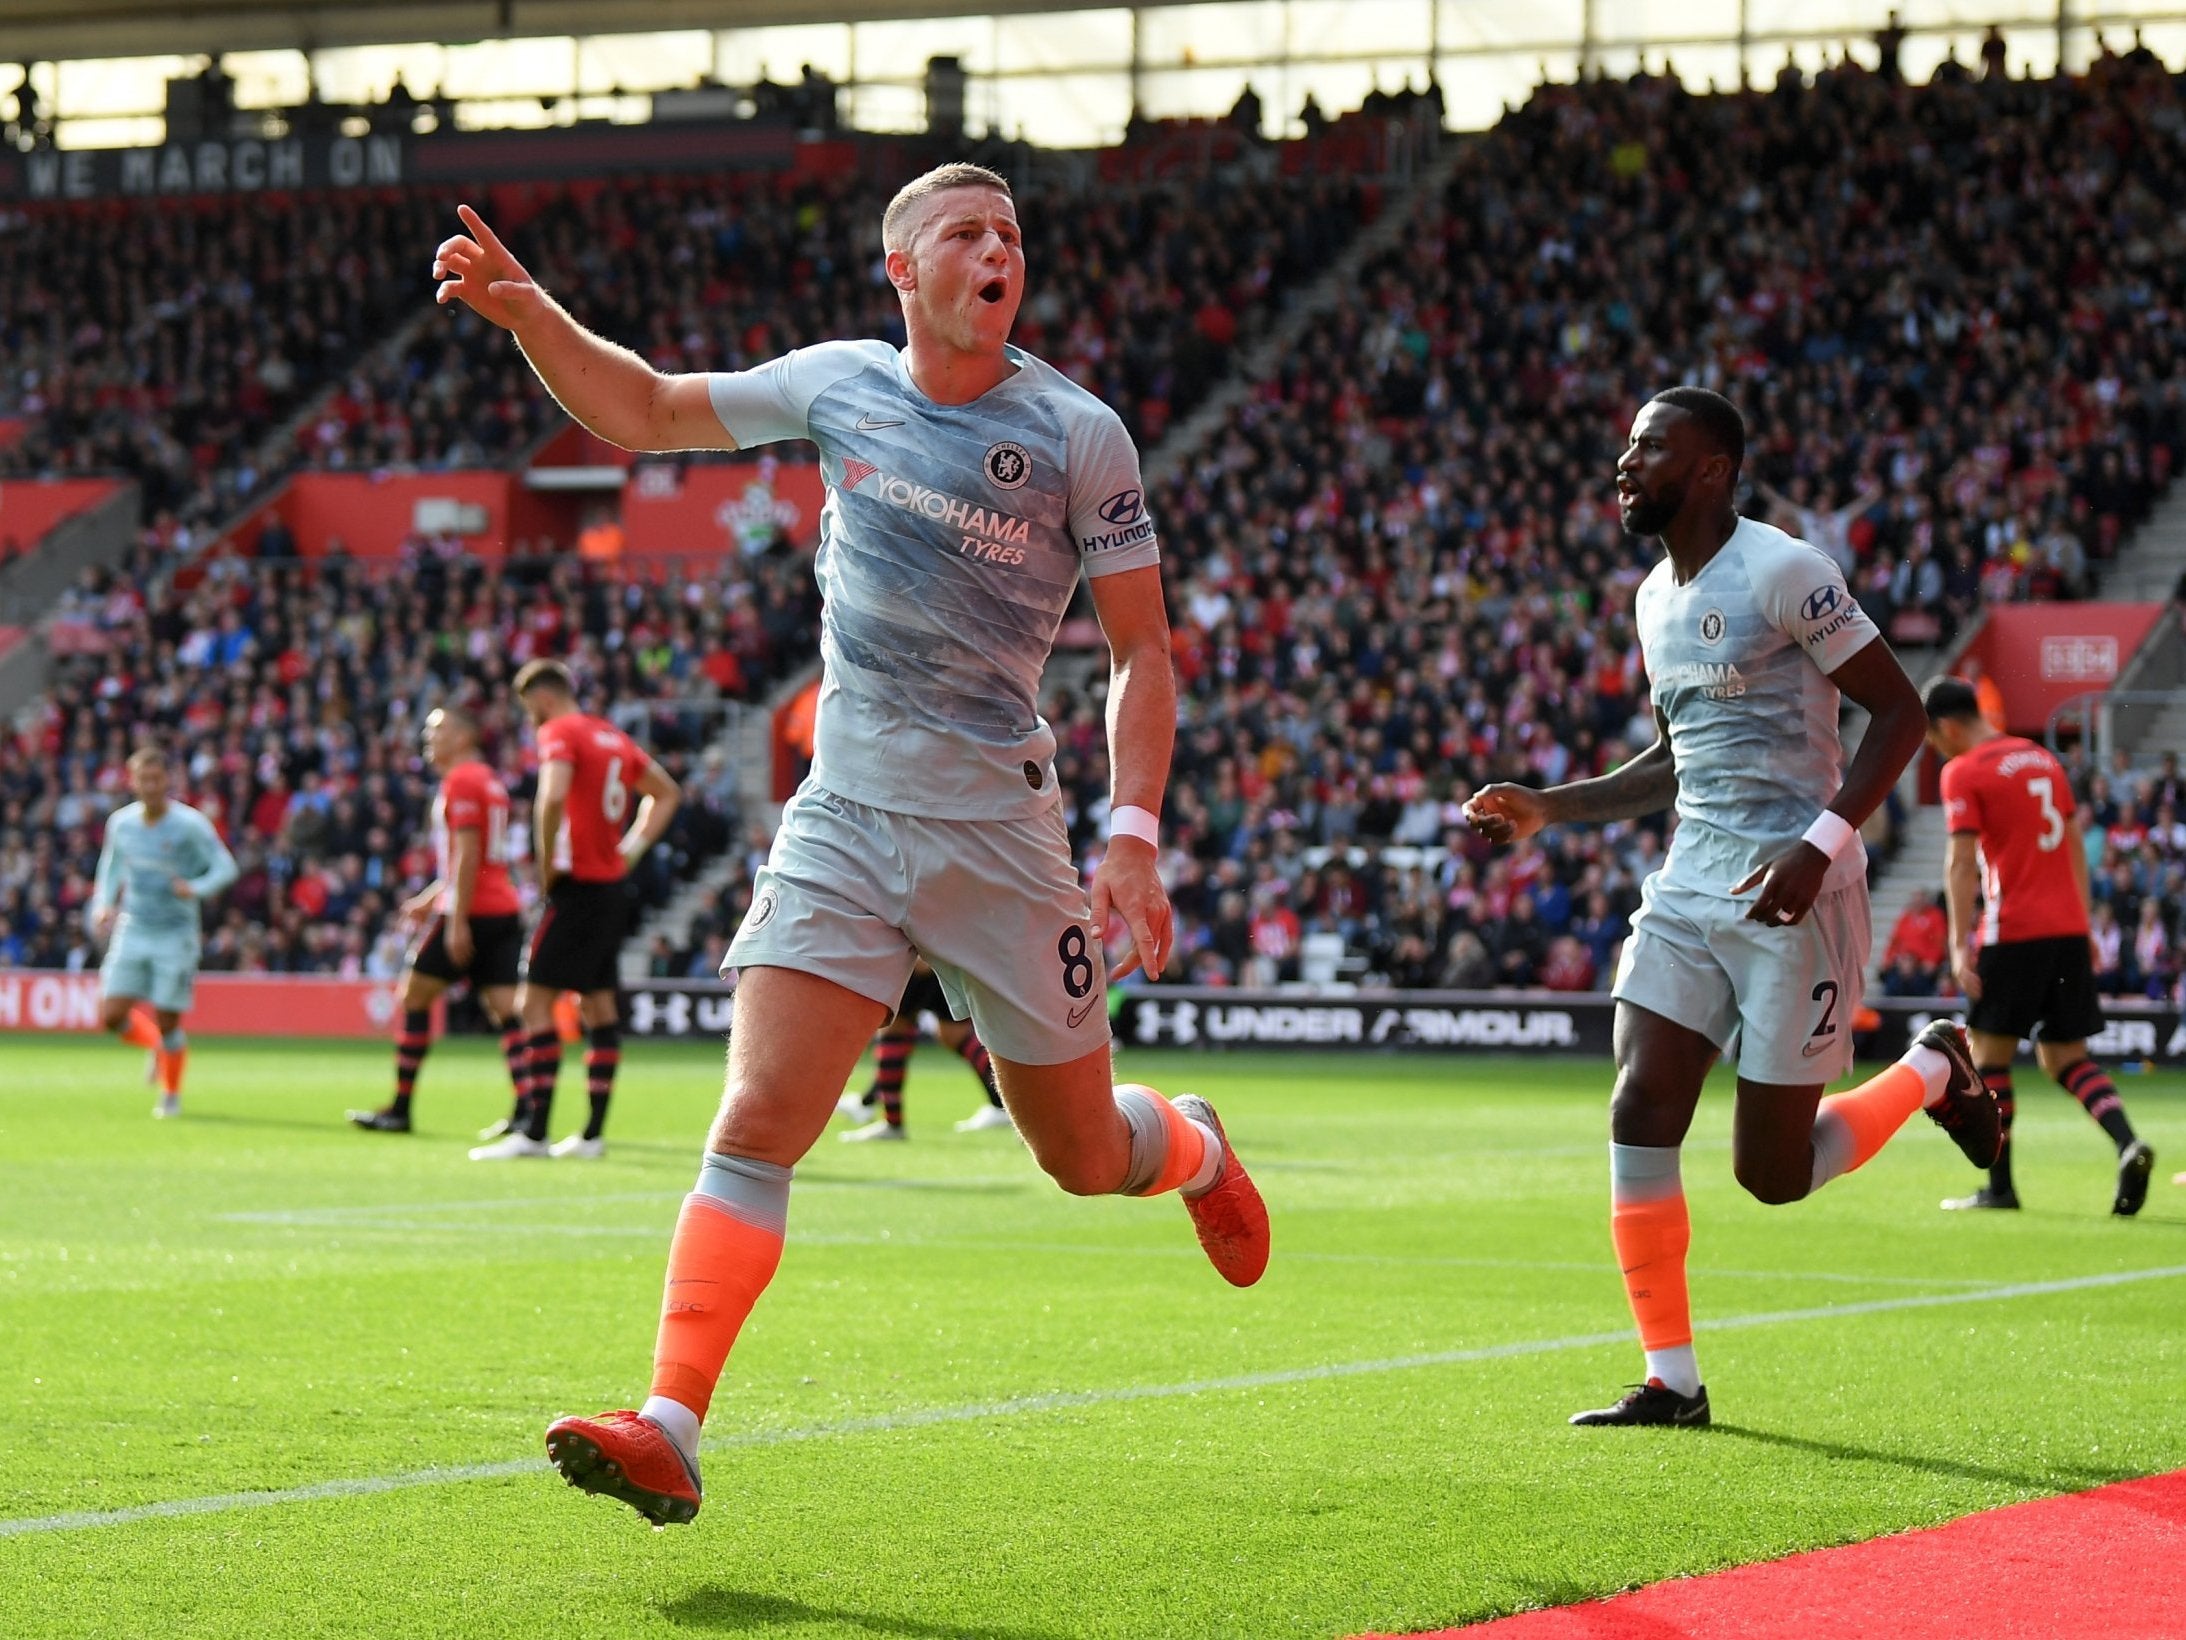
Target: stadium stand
x,y
1394,568
1144,290
165,341
292,689
292,696
1396,574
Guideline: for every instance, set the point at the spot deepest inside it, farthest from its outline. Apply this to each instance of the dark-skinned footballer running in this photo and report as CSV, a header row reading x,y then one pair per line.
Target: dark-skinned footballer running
x,y
1753,936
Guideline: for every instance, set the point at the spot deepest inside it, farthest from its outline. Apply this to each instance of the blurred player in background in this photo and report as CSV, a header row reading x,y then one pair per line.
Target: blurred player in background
x,y
2015,842
892,1050
161,861
970,486
470,915
591,777
1749,637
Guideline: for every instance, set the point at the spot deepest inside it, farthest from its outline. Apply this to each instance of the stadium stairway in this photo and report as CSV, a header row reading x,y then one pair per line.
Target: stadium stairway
x,y
2165,734
93,539
747,741
1914,873
2149,565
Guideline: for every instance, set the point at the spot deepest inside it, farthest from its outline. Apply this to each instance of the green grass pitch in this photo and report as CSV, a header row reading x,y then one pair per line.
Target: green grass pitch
x,y
974,1408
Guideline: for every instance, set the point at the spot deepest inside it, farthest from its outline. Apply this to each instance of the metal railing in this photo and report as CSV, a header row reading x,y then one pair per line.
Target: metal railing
x,y
2096,714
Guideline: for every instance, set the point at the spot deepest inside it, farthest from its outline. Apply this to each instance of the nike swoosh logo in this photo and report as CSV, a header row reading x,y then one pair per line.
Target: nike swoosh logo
x,y
866,424
1813,1048
1078,1015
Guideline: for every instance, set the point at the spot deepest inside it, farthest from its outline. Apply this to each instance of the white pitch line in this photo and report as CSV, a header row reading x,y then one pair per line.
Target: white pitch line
x,y
1058,1400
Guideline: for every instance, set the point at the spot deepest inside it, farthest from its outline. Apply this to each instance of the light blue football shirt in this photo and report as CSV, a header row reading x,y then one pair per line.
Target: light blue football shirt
x,y
1738,661
951,542
140,859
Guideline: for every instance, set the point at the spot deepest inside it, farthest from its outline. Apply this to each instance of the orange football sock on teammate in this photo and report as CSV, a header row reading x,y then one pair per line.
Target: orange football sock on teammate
x,y
141,1029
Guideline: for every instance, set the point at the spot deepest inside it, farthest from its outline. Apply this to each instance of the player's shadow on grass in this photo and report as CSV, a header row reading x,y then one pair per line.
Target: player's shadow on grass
x,y
2064,1476
229,1118
734,1611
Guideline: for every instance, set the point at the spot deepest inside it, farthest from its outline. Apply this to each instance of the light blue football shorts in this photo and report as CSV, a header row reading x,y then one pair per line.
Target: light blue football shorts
x,y
854,894
156,967
1781,999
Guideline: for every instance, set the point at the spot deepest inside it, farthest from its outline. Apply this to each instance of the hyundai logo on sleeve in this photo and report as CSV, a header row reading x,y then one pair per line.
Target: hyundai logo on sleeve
x,y
1122,508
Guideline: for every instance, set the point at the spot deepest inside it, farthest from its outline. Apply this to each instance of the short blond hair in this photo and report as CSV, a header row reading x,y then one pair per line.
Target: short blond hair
x,y
544,674
898,222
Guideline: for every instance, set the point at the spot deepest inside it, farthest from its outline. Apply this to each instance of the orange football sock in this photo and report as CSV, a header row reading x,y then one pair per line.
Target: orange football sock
x,y
727,1246
1850,1127
169,1068
1652,1239
1168,1149
140,1029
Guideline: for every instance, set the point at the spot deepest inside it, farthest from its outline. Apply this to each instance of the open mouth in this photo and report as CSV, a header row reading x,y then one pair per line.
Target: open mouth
x,y
994,290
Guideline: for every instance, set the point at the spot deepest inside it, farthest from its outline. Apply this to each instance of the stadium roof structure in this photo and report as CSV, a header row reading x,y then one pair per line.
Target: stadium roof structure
x,y
42,30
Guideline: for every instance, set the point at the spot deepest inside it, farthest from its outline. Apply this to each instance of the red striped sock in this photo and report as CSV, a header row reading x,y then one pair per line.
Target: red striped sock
x,y
411,1046
975,1055
891,1066
602,1054
516,1054
546,1067
2087,1082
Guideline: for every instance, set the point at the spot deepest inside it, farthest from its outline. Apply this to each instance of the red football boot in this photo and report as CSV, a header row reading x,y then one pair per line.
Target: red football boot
x,y
1230,1217
623,1455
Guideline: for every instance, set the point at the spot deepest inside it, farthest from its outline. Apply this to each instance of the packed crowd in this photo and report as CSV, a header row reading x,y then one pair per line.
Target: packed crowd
x,y
1952,316
1142,292
166,341
291,698
1396,573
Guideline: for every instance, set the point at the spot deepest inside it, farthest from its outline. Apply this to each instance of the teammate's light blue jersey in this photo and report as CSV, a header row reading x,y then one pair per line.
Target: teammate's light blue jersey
x,y
952,539
140,860
1738,662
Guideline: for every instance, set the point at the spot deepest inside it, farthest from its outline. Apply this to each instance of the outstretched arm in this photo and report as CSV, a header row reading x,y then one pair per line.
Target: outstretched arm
x,y
608,389
1645,785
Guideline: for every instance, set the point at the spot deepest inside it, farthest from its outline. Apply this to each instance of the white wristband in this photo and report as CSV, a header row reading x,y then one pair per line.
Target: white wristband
x,y
1832,833
1130,820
